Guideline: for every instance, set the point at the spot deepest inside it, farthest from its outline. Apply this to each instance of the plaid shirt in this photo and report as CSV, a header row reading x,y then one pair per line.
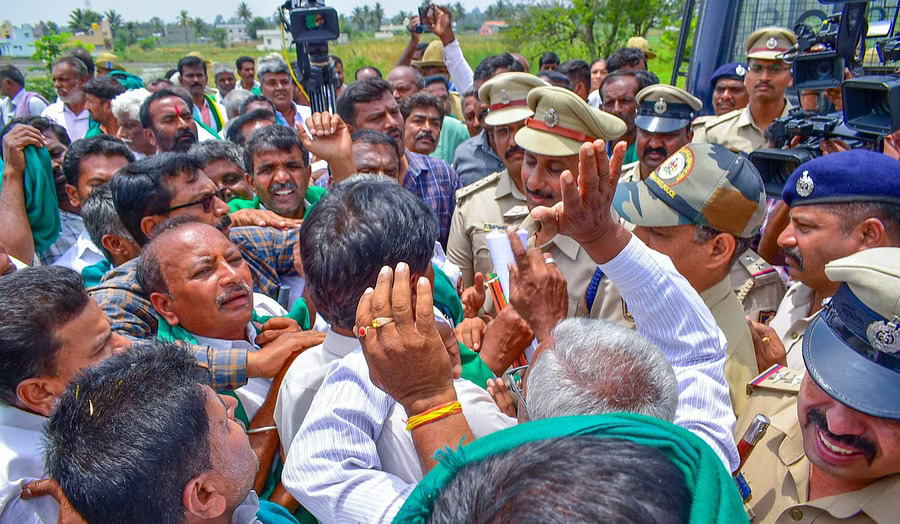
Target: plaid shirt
x,y
435,182
70,226
268,252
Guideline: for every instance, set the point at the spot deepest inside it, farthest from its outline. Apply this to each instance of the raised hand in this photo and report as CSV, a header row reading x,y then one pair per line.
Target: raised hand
x,y
537,289
329,139
473,297
262,218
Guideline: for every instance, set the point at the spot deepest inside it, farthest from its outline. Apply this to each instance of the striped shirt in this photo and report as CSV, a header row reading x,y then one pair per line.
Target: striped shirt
x,y
435,182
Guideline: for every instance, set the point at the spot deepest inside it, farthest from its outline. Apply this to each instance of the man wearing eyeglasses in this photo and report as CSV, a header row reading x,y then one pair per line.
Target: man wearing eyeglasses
x,y
767,78
498,200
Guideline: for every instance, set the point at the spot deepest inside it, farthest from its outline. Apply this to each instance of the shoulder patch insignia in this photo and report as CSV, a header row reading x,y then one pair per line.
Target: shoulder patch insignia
x,y
777,378
765,316
475,186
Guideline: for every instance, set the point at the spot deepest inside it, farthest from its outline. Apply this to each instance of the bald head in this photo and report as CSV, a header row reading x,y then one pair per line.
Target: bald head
x,y
405,81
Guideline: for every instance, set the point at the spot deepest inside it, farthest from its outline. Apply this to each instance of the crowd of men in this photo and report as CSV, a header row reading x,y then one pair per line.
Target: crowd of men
x,y
467,295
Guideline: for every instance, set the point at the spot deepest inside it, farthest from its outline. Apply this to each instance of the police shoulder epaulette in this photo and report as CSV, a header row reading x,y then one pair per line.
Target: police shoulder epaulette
x,y
723,118
777,378
761,273
703,120
476,185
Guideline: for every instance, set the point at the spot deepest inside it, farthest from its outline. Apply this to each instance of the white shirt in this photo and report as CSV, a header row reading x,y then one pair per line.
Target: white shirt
x,y
9,106
81,255
254,393
670,313
22,461
303,379
459,69
353,460
791,320
594,99
76,125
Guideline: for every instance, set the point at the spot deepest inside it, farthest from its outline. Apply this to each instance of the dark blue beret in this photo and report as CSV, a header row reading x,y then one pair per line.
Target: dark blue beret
x,y
850,176
732,70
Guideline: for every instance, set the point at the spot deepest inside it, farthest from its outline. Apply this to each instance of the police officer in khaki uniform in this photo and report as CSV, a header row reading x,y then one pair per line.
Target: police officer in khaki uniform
x,y
766,79
498,200
701,208
832,451
663,124
562,122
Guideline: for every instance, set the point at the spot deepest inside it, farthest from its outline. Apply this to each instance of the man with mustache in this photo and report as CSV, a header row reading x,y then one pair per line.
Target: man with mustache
x,y
423,117
206,110
832,451
69,76
278,87
618,92
168,122
766,79
837,208
498,200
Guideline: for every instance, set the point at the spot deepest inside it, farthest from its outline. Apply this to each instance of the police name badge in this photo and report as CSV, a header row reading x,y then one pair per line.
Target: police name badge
x,y
885,336
660,107
505,97
739,70
805,185
551,119
677,167
771,43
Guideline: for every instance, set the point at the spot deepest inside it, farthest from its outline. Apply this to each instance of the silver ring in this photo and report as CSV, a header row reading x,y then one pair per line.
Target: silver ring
x,y
549,261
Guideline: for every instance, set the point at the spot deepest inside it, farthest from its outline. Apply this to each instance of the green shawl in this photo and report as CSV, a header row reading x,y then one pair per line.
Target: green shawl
x,y
41,204
313,194
714,494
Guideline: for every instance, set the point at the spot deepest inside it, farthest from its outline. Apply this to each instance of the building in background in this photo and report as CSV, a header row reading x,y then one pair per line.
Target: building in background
x,y
17,41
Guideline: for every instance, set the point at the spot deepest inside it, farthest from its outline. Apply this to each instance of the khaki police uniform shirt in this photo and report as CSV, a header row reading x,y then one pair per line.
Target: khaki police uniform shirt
x,y
740,362
492,203
631,172
735,130
777,471
578,268
791,320
757,285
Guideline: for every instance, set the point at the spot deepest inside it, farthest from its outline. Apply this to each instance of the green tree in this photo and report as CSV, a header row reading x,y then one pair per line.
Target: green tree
x,y
377,16
200,26
130,32
49,48
81,20
184,21
115,21
256,24
244,13
219,36
157,26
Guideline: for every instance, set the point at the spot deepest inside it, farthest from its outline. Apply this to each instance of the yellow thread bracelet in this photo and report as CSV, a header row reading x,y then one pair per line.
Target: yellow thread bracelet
x,y
432,415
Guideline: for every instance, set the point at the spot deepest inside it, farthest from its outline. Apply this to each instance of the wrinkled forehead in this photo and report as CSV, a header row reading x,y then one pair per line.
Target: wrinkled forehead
x,y
178,251
382,153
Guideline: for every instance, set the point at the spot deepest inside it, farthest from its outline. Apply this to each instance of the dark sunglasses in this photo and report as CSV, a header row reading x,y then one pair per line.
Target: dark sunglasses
x,y
206,202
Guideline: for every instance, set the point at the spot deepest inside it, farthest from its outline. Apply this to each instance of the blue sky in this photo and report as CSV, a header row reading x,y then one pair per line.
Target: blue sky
x,y
142,10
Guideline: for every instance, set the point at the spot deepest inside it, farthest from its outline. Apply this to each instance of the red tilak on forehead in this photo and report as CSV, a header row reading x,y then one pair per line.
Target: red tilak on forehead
x,y
177,111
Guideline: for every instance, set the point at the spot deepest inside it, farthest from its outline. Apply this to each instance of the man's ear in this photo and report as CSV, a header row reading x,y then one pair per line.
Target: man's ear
x,y
150,222
249,179
721,250
150,137
72,193
874,233
162,303
37,394
201,498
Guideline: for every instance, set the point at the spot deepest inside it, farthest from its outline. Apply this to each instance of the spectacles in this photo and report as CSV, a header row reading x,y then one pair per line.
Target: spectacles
x,y
206,202
513,379
502,133
774,68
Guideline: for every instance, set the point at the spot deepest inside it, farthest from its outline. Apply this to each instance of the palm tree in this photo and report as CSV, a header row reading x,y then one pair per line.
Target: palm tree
x,y
131,32
378,15
244,13
459,12
199,26
83,19
157,26
115,21
184,21
358,18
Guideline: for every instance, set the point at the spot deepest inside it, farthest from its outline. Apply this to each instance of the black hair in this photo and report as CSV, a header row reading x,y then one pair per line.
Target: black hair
x,y
240,61
336,59
104,87
101,219
234,133
148,271
643,78
155,81
556,78
437,79
421,46
13,73
594,61
211,150
567,479
376,138
373,68
36,302
255,98
84,56
352,232
147,118
420,100
38,122
139,189
489,66
548,57
360,92
577,71
626,56
136,423
274,137
106,145
190,61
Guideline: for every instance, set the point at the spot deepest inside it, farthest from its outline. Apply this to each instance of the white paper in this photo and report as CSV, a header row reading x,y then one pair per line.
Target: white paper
x,y
501,255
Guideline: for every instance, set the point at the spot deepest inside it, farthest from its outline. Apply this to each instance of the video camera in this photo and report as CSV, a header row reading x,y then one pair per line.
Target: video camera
x,y
313,25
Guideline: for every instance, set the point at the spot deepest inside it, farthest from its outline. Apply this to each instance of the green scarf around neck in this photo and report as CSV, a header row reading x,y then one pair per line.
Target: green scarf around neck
x,y
714,496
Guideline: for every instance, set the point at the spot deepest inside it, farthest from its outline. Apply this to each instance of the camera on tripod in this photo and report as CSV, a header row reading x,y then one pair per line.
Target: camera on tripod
x,y
840,41
313,25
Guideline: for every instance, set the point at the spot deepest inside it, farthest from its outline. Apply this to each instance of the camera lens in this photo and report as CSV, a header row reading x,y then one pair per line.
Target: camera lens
x,y
824,70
